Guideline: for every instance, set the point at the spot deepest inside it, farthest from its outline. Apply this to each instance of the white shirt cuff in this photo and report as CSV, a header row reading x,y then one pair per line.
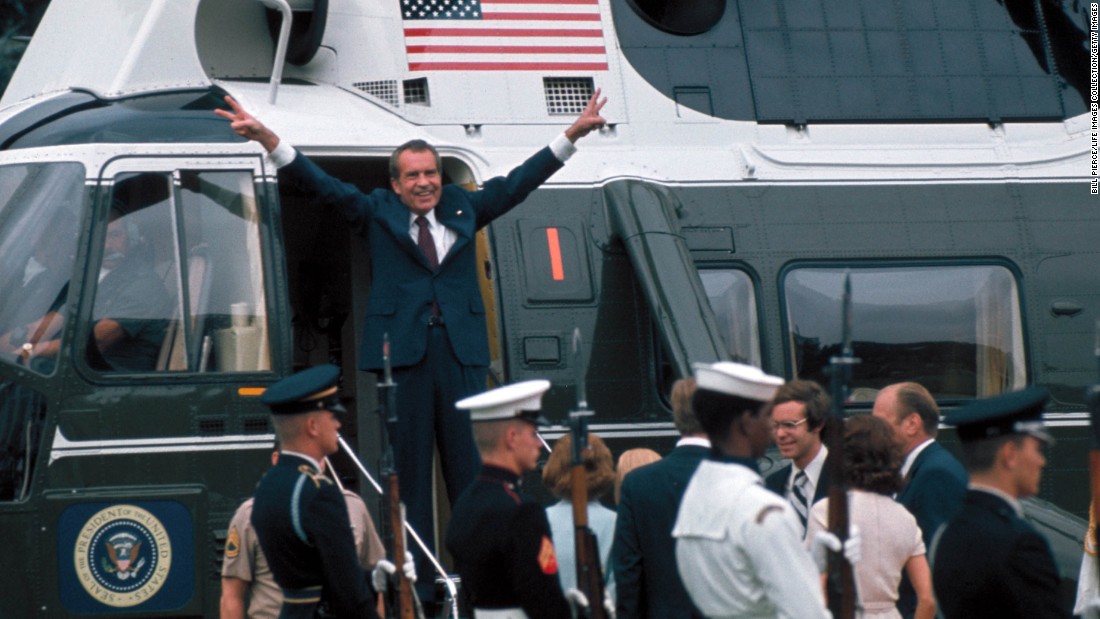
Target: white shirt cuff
x,y
282,155
562,148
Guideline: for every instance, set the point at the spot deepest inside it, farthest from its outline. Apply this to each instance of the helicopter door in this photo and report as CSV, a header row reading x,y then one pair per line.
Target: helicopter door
x,y
180,276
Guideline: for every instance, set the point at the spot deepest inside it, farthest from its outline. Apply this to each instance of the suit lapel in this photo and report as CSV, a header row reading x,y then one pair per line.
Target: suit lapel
x,y
460,219
396,219
912,474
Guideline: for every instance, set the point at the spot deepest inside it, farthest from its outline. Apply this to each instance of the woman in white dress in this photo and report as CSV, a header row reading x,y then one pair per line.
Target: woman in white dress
x,y
891,539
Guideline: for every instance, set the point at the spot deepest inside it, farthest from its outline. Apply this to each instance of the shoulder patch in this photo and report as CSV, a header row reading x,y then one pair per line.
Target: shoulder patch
x,y
233,544
767,510
548,559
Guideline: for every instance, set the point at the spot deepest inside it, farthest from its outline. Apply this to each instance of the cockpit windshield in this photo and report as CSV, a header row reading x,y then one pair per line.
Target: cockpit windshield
x,y
40,206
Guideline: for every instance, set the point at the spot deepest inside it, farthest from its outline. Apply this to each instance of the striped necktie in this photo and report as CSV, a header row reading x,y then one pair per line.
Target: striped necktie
x,y
798,497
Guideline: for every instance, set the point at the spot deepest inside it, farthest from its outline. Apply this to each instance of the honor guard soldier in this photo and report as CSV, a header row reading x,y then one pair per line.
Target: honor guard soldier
x,y
500,539
299,514
988,561
739,546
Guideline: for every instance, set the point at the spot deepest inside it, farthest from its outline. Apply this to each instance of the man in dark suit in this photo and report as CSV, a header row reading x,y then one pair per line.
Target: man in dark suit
x,y
799,411
299,514
643,554
424,291
988,561
935,482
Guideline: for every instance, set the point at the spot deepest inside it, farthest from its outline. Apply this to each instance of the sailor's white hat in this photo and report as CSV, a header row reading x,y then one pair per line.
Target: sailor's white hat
x,y
737,379
517,401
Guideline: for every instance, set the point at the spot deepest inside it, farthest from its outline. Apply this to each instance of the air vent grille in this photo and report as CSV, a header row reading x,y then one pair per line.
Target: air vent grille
x,y
567,96
385,90
416,92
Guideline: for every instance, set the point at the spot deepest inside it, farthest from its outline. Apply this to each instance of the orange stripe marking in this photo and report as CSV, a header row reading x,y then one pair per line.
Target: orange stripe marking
x,y
556,270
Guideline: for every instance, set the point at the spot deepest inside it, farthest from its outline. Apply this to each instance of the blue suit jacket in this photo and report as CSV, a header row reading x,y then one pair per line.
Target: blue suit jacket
x,y
403,284
934,494
935,490
643,554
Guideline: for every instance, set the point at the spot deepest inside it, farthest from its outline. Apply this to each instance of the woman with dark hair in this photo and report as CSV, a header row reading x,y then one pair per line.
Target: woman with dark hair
x,y
891,539
557,475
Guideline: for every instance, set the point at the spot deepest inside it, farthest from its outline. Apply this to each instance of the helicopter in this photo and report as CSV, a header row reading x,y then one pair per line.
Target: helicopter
x,y
940,154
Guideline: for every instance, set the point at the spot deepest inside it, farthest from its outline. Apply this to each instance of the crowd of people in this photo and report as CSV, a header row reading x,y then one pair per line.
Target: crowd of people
x,y
696,533
699,532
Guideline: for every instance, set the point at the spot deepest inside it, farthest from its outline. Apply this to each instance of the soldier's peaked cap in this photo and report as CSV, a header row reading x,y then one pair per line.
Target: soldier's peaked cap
x,y
307,391
516,401
1016,412
737,379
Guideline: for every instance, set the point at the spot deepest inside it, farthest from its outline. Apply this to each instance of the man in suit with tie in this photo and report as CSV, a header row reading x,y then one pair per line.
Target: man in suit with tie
x,y
935,482
424,291
799,411
643,554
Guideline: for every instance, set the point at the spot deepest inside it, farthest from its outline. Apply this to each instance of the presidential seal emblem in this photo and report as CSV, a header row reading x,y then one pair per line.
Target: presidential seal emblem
x,y
122,555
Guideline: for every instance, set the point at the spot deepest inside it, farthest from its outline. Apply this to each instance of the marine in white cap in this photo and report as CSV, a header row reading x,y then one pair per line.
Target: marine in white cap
x,y
739,546
499,537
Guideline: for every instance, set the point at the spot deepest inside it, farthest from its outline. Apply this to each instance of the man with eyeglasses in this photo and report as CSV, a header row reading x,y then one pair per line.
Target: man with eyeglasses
x,y
798,411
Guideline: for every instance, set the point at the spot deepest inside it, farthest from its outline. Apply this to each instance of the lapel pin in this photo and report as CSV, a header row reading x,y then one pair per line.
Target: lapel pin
x,y
458,212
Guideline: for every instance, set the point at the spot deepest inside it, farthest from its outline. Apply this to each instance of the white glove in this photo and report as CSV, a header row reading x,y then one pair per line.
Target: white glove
x,y
384,570
825,541
576,598
579,601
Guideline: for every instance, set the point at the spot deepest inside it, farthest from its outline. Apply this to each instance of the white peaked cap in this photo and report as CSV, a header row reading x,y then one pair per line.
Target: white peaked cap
x,y
519,400
737,379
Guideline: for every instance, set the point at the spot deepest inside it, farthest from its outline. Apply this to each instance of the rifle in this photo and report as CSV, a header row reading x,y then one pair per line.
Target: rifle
x,y
399,599
1092,398
840,583
589,574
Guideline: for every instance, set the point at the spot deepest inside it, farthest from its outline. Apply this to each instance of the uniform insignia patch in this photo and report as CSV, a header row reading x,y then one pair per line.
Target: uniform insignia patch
x,y
548,560
233,544
767,510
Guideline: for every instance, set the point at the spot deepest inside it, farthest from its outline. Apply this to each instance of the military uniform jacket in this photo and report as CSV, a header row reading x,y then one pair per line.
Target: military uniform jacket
x,y
989,562
643,555
403,284
739,548
302,524
501,544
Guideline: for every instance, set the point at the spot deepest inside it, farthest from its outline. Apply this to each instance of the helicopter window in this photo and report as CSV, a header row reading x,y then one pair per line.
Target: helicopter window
x,y
40,214
227,307
957,330
684,17
733,299
180,285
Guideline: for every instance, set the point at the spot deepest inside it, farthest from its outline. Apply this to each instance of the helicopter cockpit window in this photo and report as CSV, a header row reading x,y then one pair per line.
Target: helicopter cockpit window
x,y
733,299
40,214
957,330
180,284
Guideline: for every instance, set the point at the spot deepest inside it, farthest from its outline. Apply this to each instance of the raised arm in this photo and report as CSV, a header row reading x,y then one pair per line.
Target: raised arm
x,y
589,119
248,126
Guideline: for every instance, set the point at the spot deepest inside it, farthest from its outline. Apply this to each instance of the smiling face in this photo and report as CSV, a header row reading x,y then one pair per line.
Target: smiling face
x,y
418,183
793,436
